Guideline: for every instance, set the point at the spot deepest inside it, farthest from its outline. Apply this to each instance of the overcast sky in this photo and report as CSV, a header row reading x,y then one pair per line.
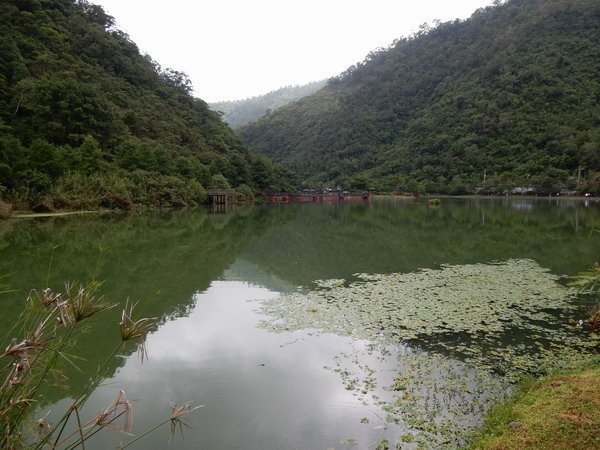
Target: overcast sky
x,y
234,49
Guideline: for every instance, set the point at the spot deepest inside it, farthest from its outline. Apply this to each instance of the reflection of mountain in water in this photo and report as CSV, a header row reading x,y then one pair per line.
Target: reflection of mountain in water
x,y
242,270
158,260
162,259
337,240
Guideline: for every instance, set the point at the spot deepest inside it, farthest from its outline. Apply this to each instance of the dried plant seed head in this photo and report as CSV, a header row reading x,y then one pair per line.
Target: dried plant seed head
x,y
135,330
14,348
178,419
64,313
128,410
36,339
84,304
104,417
48,297
131,330
14,381
42,427
23,365
118,407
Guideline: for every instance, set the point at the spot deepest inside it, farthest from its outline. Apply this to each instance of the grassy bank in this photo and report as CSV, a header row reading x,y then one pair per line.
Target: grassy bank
x,y
555,412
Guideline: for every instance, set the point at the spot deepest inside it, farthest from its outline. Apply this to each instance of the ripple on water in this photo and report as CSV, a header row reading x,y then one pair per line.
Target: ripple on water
x,y
330,425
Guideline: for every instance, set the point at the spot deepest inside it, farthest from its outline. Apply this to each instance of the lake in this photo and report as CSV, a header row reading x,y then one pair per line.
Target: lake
x,y
317,326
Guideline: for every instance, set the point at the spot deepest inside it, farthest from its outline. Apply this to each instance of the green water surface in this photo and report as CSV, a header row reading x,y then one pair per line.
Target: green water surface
x,y
205,275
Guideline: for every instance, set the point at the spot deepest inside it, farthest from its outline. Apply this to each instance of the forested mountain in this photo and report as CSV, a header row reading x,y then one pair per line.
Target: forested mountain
x,y
86,120
241,112
508,98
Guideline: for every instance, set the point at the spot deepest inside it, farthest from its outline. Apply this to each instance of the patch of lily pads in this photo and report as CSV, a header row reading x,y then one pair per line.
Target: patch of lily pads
x,y
509,317
462,334
426,400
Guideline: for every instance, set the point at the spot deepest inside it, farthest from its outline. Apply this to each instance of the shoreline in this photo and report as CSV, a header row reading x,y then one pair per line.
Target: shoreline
x,y
497,197
24,214
33,215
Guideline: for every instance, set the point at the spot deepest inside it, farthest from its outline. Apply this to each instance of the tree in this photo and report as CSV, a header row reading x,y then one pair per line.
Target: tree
x,y
45,158
360,183
505,91
80,107
90,155
178,80
218,181
11,156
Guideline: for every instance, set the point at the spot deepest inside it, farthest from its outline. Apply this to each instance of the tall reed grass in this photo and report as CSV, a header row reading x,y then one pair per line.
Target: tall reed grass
x,y
47,330
588,284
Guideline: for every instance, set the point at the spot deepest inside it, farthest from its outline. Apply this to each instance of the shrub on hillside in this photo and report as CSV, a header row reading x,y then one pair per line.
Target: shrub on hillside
x,y
244,193
218,181
78,191
5,210
161,191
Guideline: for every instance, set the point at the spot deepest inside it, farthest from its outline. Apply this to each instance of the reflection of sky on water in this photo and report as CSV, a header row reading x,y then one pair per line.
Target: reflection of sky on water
x,y
525,205
568,203
215,357
260,390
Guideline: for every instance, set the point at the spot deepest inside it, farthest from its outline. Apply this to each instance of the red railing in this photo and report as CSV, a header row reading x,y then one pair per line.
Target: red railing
x,y
316,198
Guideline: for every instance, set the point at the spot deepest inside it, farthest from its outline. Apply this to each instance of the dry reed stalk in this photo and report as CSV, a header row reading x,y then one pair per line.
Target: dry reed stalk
x,y
32,360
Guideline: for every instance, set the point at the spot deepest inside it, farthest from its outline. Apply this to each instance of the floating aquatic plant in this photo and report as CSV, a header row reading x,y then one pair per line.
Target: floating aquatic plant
x,y
506,316
436,400
468,331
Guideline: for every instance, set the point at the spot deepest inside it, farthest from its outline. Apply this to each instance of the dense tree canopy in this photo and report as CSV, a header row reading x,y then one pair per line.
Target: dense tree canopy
x,y
81,107
508,98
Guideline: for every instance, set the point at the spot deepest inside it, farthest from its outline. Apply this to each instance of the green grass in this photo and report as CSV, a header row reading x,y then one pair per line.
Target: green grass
x,y
555,412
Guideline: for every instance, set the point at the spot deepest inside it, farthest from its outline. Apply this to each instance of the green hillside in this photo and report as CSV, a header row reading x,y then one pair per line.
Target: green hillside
x,y
238,113
87,121
508,98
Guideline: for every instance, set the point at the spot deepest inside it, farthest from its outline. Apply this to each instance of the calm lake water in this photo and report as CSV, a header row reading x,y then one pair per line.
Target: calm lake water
x,y
206,277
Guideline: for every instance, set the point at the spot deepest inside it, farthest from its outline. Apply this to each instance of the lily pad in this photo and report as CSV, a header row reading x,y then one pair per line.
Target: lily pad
x,y
505,316
463,333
